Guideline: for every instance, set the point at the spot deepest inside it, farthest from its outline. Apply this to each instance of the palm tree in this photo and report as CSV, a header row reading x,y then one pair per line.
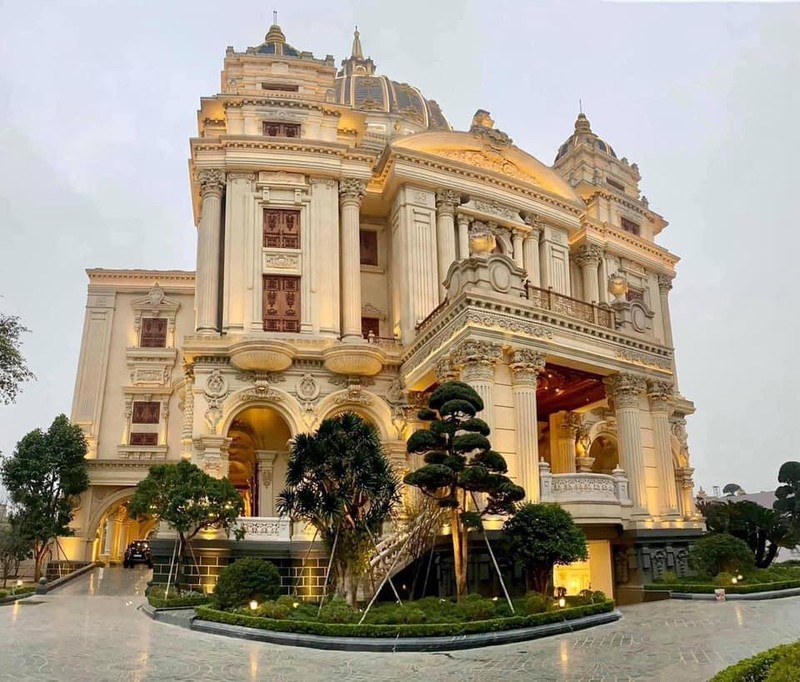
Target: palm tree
x,y
340,481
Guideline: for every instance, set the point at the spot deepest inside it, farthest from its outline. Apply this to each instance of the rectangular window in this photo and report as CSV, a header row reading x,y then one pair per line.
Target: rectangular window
x,y
615,184
281,303
370,326
629,226
281,229
144,439
368,240
280,87
146,412
154,332
281,129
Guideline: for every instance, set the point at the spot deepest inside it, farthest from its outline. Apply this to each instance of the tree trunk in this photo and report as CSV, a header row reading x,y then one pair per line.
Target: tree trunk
x,y
459,554
541,579
770,556
38,558
179,577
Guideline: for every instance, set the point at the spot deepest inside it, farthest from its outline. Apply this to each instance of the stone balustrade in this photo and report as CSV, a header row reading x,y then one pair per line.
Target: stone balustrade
x,y
585,489
266,528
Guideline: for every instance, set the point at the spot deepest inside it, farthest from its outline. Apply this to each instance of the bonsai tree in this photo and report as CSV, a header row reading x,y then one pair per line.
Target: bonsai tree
x,y
542,536
190,501
459,461
340,481
788,494
44,477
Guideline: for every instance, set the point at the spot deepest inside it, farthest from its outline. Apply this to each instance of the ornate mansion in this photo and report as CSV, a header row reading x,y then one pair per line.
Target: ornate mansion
x,y
354,251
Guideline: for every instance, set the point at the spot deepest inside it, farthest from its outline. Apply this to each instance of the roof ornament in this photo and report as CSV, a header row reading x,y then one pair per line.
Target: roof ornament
x,y
356,52
483,127
275,35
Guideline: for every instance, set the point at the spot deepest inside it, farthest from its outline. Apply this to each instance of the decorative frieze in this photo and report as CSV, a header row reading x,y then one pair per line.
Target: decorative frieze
x,y
639,358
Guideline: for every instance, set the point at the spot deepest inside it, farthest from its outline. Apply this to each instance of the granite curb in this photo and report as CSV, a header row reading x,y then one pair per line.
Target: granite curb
x,y
404,644
753,596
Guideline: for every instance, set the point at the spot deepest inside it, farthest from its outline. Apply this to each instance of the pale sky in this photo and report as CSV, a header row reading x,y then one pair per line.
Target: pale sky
x,y
99,99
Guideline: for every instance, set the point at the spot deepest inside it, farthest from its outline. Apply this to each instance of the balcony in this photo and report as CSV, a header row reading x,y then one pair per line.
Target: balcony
x,y
266,528
590,498
547,299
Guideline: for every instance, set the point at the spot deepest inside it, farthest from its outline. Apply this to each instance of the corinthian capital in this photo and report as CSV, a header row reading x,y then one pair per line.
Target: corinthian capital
x,y
664,283
571,424
352,189
625,388
525,365
447,200
477,359
659,393
588,254
212,180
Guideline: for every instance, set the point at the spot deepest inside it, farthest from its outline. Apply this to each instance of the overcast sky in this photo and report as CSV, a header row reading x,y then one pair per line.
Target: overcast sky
x,y
99,100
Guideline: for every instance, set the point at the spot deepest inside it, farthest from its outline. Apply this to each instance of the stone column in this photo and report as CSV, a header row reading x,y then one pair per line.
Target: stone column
x,y
588,258
266,495
563,457
659,393
625,390
477,360
463,236
526,365
664,287
187,424
446,202
351,191
212,185
688,509
530,256
111,530
517,240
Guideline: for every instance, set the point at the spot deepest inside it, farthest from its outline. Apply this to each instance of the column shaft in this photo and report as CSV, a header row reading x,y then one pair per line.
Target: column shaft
x,y
664,287
446,201
525,367
463,237
625,390
351,192
530,251
563,457
519,259
266,501
588,258
659,393
208,250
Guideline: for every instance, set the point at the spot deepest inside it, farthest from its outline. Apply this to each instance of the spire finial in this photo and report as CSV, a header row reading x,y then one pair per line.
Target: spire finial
x,y
274,17
275,35
357,52
580,106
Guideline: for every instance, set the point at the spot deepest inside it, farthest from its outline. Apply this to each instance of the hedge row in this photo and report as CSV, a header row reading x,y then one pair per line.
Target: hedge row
x,y
756,668
417,630
746,588
17,592
177,602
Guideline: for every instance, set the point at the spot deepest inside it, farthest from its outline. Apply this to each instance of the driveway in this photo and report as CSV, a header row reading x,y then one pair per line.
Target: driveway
x,y
90,630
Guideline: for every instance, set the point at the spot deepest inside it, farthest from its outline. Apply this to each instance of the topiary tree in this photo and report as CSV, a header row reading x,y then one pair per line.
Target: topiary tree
x,y
340,481
190,501
247,579
542,536
459,461
788,494
720,552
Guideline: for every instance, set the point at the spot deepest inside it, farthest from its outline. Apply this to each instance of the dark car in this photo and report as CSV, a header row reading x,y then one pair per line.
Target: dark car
x,y
138,552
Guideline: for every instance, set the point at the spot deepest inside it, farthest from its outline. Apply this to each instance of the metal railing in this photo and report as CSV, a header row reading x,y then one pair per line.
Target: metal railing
x,y
547,299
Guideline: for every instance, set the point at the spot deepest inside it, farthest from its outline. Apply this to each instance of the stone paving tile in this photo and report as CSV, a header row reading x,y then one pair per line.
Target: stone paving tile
x,y
91,631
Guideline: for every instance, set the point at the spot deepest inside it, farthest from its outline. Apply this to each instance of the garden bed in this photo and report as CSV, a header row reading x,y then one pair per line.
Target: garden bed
x,y
708,588
175,600
435,624
10,595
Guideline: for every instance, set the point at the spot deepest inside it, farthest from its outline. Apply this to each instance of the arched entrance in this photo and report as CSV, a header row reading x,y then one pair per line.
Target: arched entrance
x,y
257,456
116,530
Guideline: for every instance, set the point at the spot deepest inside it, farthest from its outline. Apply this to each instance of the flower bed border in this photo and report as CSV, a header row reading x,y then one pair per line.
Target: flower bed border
x,y
177,602
18,593
418,637
746,588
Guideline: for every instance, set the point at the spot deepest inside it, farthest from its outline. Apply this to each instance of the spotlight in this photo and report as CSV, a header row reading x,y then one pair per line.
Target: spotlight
x,y
253,604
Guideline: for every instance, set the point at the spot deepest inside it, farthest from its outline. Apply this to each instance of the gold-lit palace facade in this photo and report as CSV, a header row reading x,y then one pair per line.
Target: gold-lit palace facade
x,y
353,252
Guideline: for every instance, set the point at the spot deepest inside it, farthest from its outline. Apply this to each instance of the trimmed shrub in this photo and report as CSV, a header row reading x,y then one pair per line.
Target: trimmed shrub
x,y
244,580
723,579
536,603
758,667
336,611
721,552
156,597
668,578
599,597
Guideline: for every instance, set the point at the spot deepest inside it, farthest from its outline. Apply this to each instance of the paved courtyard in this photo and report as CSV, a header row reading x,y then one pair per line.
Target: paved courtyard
x,y
91,630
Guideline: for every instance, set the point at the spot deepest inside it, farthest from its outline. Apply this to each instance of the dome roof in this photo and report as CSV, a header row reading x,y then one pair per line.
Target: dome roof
x,y
583,135
275,43
358,87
